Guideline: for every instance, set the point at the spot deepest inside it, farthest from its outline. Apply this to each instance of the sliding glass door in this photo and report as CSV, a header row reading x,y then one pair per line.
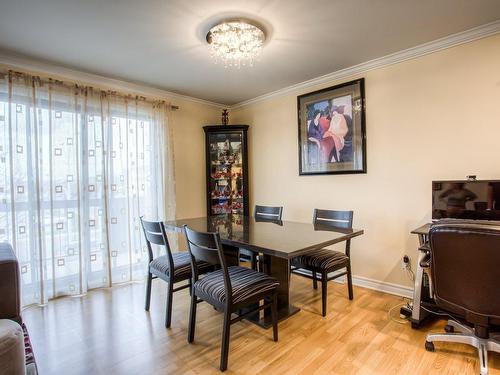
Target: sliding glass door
x,y
77,169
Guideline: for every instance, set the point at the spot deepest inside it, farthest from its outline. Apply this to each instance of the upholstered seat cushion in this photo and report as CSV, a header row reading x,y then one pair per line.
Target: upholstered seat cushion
x,y
245,284
322,259
182,265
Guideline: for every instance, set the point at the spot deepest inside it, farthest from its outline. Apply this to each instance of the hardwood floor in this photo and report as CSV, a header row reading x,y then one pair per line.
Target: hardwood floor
x,y
108,332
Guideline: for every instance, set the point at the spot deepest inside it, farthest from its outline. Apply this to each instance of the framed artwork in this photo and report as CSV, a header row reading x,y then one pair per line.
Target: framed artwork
x,y
332,135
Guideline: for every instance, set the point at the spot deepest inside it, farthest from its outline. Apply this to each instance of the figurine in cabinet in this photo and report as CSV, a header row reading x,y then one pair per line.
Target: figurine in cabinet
x,y
227,169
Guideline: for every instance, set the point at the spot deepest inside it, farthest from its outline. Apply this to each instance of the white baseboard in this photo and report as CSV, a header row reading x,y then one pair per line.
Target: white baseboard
x,y
383,286
379,286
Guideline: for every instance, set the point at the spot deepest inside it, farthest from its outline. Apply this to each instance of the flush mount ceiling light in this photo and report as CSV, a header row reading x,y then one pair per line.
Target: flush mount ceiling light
x,y
235,43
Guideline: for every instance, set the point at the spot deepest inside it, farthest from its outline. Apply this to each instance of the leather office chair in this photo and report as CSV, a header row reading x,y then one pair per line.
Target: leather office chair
x,y
465,260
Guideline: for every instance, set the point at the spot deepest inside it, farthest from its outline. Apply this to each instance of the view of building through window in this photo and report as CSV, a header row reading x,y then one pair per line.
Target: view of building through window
x,y
74,179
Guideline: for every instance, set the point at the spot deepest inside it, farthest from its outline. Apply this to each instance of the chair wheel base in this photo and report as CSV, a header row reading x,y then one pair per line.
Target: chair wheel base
x,y
449,328
429,346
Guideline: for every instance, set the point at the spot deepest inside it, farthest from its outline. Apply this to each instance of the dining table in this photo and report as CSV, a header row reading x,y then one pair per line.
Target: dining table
x,y
277,241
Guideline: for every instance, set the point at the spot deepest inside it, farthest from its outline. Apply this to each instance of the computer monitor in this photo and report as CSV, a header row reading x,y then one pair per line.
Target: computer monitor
x,y
463,199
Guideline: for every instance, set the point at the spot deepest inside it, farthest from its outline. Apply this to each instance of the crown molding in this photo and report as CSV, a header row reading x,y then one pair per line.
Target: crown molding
x,y
45,68
453,40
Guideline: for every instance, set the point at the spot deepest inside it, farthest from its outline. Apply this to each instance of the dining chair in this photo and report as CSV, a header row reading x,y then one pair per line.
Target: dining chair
x,y
161,266
325,261
271,213
228,289
261,213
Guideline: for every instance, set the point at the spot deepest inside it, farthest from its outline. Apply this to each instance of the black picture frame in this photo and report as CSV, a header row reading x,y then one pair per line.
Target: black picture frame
x,y
336,142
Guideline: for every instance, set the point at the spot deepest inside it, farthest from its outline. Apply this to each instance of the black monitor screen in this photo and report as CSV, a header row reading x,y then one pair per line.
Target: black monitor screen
x,y
466,200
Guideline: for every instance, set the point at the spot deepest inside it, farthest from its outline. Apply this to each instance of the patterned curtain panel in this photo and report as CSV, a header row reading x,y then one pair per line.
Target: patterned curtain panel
x,y
77,168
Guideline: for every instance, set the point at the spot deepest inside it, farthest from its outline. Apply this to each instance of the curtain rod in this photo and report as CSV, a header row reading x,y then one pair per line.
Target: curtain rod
x,y
71,83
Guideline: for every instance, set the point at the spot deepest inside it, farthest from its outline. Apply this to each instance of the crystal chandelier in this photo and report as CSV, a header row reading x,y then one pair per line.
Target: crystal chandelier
x,y
235,43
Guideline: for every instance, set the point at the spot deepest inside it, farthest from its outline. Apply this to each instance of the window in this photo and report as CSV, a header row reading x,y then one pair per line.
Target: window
x,y
77,169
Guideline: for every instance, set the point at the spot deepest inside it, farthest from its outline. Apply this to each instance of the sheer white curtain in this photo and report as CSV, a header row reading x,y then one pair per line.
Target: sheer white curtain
x,y
78,167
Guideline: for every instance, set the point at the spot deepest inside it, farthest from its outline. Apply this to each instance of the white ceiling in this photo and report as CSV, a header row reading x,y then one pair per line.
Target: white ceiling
x,y
161,43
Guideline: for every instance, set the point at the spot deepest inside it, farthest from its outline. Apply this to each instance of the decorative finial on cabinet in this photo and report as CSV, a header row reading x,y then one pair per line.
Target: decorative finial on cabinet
x,y
225,117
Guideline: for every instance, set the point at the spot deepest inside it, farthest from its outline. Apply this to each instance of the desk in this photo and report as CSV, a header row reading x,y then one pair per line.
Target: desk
x,y
278,241
421,292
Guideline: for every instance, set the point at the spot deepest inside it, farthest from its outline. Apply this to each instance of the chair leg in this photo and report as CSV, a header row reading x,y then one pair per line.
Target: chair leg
x,y
254,261
224,353
324,291
483,359
315,280
192,318
148,291
349,280
274,316
261,264
170,296
468,338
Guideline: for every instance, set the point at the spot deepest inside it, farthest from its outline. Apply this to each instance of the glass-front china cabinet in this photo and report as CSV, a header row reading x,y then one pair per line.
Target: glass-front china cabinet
x,y
227,169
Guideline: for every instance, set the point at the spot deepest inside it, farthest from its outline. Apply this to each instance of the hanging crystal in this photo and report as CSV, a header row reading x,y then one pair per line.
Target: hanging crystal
x,y
235,43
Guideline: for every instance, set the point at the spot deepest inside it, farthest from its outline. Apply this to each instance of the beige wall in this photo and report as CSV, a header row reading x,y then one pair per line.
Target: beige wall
x,y
435,117
189,155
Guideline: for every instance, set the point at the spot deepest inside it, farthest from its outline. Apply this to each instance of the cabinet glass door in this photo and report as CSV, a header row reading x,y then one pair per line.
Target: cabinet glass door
x,y
226,173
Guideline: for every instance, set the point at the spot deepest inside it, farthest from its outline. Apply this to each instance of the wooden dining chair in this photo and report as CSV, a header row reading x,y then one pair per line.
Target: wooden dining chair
x,y
228,289
325,261
270,213
161,266
261,213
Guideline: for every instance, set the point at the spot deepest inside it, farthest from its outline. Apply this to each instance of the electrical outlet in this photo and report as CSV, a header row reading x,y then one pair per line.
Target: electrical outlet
x,y
405,262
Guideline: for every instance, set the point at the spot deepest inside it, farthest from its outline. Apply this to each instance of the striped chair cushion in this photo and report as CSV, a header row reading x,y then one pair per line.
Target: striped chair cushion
x,y
182,265
245,283
322,259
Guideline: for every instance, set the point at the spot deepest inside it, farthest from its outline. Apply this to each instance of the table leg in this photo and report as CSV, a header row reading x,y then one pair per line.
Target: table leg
x,y
279,268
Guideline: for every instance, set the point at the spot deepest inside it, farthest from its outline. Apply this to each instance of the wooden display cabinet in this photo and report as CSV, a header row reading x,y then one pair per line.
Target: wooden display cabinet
x,y
227,169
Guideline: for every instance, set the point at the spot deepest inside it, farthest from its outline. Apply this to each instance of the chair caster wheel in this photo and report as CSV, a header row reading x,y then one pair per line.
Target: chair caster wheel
x,y
429,346
449,329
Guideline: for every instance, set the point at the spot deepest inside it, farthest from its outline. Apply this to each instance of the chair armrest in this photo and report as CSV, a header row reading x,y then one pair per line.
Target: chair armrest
x,y
12,351
426,261
425,248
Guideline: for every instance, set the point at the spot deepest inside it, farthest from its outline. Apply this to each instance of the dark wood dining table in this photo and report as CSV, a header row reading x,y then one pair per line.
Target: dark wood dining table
x,y
278,241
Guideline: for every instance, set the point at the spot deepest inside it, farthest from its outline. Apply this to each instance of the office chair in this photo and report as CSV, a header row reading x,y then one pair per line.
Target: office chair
x,y
465,261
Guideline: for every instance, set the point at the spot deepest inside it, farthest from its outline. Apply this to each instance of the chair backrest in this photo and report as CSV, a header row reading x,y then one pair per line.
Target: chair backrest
x,y
270,213
207,247
332,218
154,232
10,284
465,261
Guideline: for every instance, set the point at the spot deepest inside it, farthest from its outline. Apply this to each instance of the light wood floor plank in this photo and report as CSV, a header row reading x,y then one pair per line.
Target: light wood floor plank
x,y
108,332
